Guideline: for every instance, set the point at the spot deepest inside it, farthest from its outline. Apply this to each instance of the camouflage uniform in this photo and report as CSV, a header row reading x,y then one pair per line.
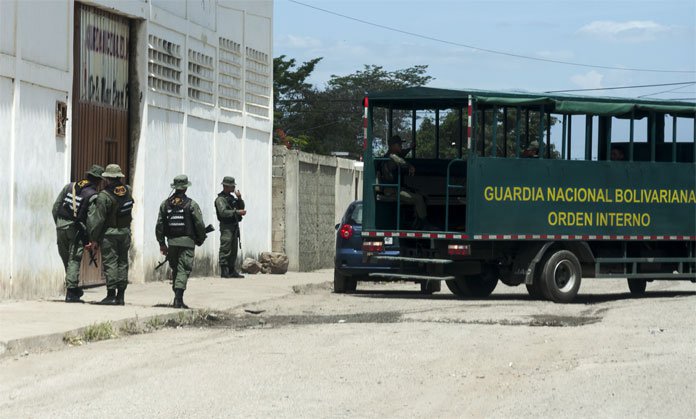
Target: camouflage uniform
x,y
227,206
69,209
179,229
389,173
108,223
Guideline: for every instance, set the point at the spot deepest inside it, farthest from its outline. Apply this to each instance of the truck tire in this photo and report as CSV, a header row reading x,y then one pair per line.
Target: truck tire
x,y
454,285
344,283
482,285
637,286
534,290
474,286
561,276
429,287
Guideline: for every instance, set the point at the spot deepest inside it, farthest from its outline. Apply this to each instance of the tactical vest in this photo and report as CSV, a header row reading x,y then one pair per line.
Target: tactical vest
x,y
233,202
179,220
76,201
120,214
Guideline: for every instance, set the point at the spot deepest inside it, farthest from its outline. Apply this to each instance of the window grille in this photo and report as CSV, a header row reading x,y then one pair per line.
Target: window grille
x,y
201,80
258,83
230,75
164,66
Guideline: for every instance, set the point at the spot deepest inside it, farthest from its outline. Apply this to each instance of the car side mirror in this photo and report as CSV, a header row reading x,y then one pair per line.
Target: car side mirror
x,y
336,226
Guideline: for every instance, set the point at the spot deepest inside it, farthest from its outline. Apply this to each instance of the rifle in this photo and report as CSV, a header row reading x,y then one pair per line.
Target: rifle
x,y
208,229
159,265
82,237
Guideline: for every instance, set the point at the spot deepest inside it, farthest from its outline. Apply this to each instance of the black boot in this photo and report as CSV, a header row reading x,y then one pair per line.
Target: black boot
x,y
179,298
110,299
119,296
72,295
225,271
236,274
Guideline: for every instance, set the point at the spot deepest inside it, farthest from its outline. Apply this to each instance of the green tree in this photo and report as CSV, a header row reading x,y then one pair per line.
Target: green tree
x,y
331,119
291,98
343,99
450,133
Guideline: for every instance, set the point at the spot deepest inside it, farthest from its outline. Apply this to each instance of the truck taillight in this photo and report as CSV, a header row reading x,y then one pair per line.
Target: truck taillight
x,y
373,247
346,231
459,249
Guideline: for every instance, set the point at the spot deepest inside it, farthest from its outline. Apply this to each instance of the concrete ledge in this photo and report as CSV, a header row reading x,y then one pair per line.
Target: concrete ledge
x,y
36,326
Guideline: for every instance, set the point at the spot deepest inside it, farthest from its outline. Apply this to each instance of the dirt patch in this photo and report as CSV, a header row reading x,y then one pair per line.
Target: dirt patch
x,y
313,288
548,320
244,321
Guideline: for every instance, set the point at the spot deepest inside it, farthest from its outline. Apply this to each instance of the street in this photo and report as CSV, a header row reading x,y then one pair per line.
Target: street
x,y
385,351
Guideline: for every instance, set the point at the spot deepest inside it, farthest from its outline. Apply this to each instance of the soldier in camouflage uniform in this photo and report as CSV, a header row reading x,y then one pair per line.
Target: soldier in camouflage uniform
x,y
229,207
180,222
70,215
108,223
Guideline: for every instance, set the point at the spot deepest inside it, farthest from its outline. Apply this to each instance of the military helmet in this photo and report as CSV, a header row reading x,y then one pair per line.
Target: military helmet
x,y
96,171
228,181
180,182
112,171
395,139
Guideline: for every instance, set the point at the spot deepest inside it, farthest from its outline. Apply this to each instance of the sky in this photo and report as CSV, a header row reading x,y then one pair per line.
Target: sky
x,y
620,35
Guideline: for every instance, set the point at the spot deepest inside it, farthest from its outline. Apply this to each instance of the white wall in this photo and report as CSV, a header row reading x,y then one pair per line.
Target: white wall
x,y
6,106
176,134
34,159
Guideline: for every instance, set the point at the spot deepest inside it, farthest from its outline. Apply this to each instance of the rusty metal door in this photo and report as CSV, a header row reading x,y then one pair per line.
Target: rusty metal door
x,y
100,90
100,102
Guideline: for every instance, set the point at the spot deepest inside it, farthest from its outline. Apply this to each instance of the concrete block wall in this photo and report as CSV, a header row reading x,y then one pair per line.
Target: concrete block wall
x,y
310,193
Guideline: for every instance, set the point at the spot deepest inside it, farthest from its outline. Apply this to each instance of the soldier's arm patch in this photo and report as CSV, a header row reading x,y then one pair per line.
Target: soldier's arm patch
x,y
120,191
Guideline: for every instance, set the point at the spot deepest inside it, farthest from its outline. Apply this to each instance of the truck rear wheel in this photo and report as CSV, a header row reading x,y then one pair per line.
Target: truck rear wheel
x,y
561,276
429,287
637,286
534,290
344,283
454,286
474,286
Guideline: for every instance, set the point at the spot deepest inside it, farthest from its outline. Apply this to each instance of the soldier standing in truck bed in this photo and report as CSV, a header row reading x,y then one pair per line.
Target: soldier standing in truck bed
x,y
229,207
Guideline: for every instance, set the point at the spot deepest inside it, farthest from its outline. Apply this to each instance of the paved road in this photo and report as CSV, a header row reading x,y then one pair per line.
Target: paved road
x,y
386,351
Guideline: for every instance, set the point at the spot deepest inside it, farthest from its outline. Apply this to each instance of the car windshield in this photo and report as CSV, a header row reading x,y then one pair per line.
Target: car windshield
x,y
355,216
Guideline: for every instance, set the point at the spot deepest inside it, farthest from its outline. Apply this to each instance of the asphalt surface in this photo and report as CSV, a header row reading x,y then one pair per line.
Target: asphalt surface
x,y
385,351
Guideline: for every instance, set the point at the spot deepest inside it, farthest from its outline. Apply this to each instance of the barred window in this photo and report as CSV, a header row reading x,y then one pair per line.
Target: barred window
x,y
230,75
164,66
201,81
258,83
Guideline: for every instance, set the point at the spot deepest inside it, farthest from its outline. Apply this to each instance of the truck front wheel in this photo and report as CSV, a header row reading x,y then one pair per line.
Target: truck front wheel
x,y
561,276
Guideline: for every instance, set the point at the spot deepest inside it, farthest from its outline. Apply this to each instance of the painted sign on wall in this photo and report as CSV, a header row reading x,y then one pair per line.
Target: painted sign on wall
x,y
104,41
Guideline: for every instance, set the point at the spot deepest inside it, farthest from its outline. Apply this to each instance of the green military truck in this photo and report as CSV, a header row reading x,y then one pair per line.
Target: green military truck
x,y
535,189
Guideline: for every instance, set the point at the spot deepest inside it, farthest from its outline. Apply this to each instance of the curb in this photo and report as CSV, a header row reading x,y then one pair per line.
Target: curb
x,y
54,341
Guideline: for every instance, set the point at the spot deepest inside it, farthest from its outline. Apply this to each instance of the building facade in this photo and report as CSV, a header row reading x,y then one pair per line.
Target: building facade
x,y
161,87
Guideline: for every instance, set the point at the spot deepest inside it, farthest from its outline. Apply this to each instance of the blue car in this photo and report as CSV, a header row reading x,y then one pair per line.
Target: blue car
x,y
349,267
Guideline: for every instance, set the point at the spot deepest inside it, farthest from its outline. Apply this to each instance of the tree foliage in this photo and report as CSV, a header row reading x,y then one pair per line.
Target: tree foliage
x,y
450,133
331,119
328,120
291,93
